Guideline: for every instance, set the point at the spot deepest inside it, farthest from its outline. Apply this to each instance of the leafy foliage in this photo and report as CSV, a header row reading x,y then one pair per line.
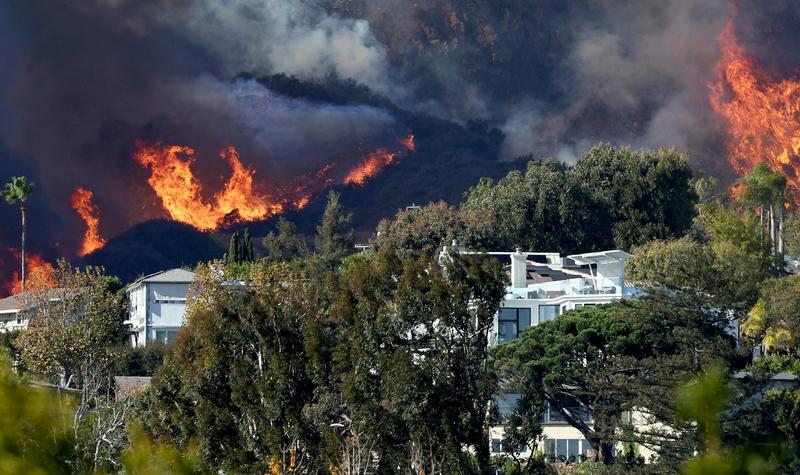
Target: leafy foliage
x,y
237,380
610,198
335,238
615,358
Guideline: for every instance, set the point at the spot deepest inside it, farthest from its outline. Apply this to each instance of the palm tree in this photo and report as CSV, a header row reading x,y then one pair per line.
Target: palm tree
x,y
19,189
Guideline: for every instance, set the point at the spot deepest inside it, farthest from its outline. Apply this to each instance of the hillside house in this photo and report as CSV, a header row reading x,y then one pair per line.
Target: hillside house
x,y
157,306
543,286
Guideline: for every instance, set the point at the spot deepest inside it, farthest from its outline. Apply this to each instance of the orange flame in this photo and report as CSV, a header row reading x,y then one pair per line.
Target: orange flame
x,y
375,162
408,142
40,273
174,182
762,115
82,202
369,167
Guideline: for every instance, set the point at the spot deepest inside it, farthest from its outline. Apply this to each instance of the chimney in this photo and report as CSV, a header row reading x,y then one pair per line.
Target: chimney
x,y
519,269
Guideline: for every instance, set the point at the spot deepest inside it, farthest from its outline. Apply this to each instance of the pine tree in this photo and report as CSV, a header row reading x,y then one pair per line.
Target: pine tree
x,y
247,247
335,238
234,249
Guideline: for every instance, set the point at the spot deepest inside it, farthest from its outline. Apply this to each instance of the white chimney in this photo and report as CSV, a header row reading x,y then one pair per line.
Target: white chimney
x,y
519,269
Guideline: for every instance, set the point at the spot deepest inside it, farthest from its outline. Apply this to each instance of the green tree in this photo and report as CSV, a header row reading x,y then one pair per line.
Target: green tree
x,y
335,237
766,190
71,338
690,271
775,319
35,435
610,359
612,197
422,231
18,190
235,249
707,399
410,359
247,247
237,380
648,194
284,245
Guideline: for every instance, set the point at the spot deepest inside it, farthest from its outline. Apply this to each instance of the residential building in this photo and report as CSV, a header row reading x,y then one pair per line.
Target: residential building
x,y
157,306
12,314
543,286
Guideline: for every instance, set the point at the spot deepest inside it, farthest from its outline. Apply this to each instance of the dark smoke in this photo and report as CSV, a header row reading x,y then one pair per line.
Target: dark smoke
x,y
83,78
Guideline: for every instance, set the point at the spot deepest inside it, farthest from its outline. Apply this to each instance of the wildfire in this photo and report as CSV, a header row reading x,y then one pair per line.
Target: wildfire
x,y
83,203
172,179
762,115
408,142
181,193
374,162
39,273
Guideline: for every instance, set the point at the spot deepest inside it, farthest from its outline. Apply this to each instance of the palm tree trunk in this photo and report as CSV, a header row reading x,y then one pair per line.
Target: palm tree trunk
x,y
22,252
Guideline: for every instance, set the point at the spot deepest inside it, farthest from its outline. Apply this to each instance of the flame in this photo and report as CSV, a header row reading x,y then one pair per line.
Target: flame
x,y
762,115
40,273
408,142
374,162
369,167
82,202
172,179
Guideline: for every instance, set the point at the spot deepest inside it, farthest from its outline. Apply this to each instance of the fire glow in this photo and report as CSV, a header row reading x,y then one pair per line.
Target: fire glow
x,y
374,162
762,115
83,203
181,192
39,273
172,179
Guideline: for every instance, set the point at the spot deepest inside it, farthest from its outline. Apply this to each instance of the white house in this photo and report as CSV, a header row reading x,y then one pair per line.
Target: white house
x,y
12,315
157,306
543,286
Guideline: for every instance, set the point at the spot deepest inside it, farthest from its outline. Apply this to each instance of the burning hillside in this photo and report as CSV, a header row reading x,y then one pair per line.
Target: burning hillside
x,y
181,191
762,115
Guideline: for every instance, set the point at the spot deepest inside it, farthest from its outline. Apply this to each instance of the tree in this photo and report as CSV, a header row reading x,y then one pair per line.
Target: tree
x,y
247,247
237,380
775,319
335,238
35,435
284,245
766,190
71,336
422,231
607,360
410,361
19,189
690,271
648,194
612,197
235,249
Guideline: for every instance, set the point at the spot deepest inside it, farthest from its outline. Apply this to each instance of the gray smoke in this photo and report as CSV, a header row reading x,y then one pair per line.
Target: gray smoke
x,y
644,66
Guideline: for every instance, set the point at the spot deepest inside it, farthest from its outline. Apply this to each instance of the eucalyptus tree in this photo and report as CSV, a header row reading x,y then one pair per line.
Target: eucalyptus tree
x,y
18,190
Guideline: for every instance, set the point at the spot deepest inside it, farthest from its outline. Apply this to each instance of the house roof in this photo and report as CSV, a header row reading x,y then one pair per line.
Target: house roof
x,y
12,304
176,276
602,257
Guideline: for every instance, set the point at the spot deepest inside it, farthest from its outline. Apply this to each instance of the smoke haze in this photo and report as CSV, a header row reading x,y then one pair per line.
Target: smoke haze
x,y
83,79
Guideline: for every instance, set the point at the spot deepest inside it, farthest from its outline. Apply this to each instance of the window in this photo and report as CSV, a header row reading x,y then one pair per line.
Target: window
x,y
567,449
512,321
166,336
551,416
548,312
496,446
